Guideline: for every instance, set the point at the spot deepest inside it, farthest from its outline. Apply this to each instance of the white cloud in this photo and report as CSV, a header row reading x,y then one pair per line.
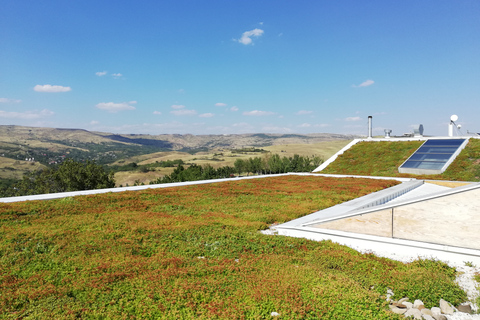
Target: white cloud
x,y
206,115
364,84
94,122
115,107
157,112
6,100
305,125
220,104
274,129
117,75
27,115
50,88
322,125
183,112
303,112
246,38
258,113
242,125
101,73
353,119
233,109
177,106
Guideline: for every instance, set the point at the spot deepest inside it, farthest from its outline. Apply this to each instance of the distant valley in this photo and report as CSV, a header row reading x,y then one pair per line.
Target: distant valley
x,y
25,149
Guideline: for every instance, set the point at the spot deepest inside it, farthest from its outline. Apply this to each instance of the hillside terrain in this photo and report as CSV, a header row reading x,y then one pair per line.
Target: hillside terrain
x,y
24,149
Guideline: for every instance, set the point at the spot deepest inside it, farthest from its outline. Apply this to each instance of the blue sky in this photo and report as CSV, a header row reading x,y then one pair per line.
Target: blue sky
x,y
224,67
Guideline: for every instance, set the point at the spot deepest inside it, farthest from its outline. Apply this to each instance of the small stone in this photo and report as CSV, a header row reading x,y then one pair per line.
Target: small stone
x,y
436,311
421,307
274,314
390,294
417,303
446,307
465,308
399,305
427,312
437,314
408,304
415,313
397,310
427,317
403,300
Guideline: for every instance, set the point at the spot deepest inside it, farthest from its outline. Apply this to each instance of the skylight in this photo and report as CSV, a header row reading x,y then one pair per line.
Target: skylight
x,y
433,157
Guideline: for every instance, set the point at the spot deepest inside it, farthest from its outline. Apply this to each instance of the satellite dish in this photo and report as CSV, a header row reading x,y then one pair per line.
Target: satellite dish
x,y
454,118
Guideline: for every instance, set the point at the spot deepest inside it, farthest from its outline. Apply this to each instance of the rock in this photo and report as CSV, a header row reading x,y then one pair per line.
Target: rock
x,y
408,304
465,308
427,312
397,310
399,305
390,294
436,311
427,317
437,314
446,307
417,303
415,313
403,300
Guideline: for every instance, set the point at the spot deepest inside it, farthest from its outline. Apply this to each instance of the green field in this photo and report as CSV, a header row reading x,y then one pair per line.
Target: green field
x,y
196,253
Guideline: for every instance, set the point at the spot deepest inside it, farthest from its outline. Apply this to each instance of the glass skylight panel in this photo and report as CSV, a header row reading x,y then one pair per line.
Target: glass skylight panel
x,y
432,157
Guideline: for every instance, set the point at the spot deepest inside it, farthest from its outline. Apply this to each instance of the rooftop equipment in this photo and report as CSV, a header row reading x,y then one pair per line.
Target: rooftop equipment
x,y
418,131
453,118
387,133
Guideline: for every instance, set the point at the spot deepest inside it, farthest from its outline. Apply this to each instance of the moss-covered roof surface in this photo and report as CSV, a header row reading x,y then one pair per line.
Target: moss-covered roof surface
x,y
382,158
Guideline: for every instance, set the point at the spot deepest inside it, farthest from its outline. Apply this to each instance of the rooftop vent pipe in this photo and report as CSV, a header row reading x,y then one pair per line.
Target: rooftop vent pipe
x,y
387,133
369,127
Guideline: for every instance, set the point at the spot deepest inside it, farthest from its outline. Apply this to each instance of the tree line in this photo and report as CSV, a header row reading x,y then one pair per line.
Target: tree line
x,y
73,175
268,164
70,175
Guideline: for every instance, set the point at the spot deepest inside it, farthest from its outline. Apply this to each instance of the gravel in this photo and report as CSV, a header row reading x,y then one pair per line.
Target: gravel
x,y
465,279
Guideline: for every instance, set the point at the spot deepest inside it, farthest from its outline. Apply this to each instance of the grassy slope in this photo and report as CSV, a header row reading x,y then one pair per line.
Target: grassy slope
x,y
15,169
383,159
195,253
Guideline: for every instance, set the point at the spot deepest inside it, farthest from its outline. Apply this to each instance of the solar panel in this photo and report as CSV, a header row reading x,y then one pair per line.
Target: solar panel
x,y
433,157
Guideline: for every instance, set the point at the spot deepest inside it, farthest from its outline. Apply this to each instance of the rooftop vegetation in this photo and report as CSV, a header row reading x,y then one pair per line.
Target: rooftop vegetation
x,y
196,252
382,158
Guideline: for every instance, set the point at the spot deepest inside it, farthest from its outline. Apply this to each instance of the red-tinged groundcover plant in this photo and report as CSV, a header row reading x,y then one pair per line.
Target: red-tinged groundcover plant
x,y
382,158
195,252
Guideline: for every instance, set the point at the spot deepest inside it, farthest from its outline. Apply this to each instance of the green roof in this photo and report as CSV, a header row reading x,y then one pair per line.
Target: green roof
x,y
382,158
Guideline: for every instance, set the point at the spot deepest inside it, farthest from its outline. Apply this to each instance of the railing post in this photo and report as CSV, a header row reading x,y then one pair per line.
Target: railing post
x,y
392,223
